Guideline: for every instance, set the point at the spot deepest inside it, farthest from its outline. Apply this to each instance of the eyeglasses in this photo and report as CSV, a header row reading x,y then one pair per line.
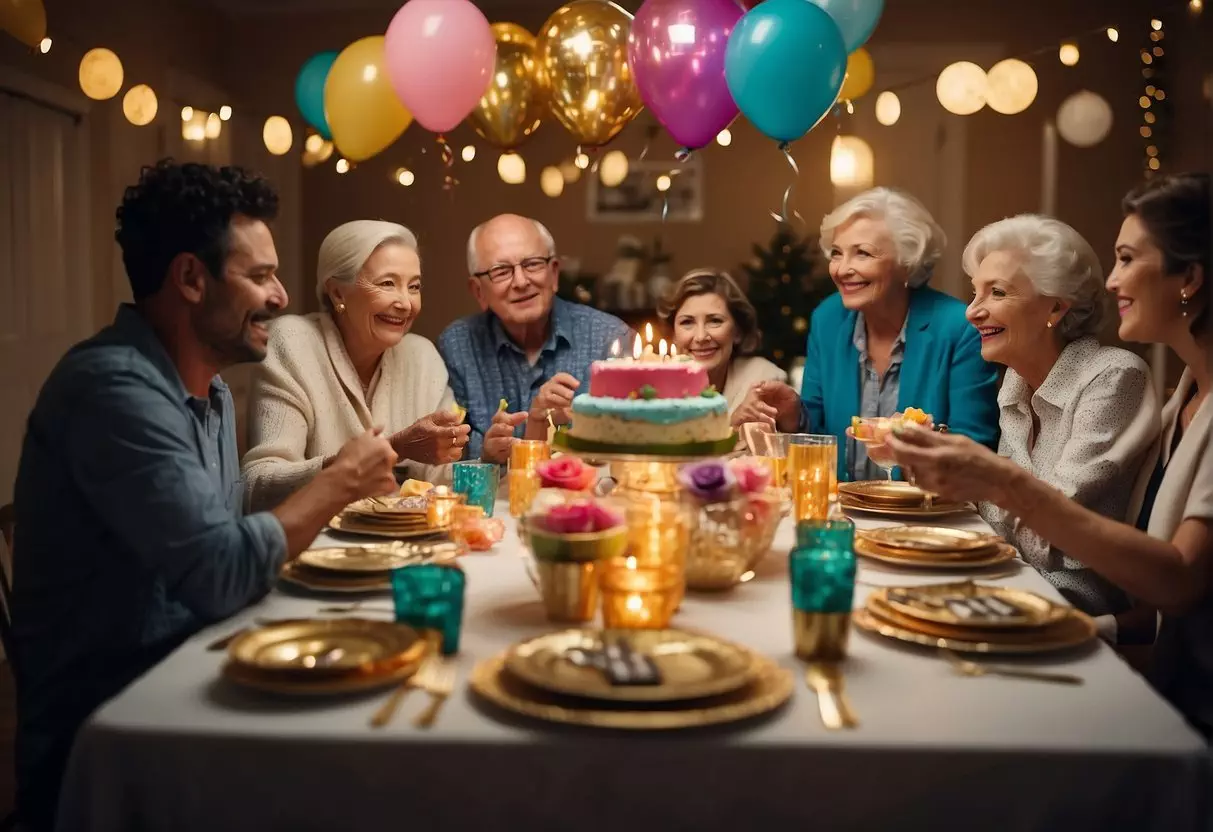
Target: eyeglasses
x,y
505,271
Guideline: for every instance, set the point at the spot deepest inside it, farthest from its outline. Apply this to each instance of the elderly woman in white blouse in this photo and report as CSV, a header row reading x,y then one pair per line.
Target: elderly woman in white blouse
x,y
332,375
1079,416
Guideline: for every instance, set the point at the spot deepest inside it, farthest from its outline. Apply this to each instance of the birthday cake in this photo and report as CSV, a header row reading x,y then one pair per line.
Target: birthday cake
x,y
659,406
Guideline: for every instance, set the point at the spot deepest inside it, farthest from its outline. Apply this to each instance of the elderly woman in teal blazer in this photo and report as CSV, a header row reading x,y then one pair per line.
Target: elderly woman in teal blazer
x,y
884,342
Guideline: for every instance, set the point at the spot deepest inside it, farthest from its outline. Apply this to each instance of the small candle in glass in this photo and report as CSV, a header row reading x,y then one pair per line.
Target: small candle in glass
x,y
659,535
442,503
525,456
637,597
822,575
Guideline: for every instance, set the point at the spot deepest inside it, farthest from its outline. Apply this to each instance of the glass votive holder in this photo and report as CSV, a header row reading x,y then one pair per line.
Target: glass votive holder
x,y
526,454
636,597
822,575
812,474
478,482
429,596
440,509
659,534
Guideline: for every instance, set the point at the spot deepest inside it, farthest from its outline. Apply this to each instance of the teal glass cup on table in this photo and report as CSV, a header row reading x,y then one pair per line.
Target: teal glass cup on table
x,y
429,597
822,572
478,482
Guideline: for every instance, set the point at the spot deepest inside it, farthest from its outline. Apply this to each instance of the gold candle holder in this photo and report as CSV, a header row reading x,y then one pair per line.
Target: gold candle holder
x,y
439,512
646,477
821,636
659,535
569,590
637,597
523,481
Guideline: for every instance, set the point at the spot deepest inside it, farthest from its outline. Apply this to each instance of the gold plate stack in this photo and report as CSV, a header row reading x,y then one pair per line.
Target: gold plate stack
x,y
324,658
703,681
974,618
932,547
895,499
398,518
361,569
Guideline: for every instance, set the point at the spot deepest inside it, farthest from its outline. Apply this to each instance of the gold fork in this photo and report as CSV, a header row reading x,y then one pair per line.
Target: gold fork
x,y
826,681
388,709
439,682
967,668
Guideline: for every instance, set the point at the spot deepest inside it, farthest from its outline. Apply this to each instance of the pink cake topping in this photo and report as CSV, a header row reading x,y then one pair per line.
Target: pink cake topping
x,y
671,380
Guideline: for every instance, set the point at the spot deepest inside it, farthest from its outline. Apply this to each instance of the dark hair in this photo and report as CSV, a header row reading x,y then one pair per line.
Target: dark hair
x,y
1177,211
711,282
185,208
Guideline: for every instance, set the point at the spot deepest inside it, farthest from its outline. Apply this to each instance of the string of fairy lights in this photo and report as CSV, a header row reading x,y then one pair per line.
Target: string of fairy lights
x,y
963,88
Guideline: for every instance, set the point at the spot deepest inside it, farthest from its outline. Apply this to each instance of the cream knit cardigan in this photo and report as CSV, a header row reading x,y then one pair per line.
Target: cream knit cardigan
x,y
306,402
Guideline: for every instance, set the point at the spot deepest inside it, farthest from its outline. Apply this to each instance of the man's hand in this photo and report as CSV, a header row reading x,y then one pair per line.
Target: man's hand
x,y
783,400
556,397
500,436
363,467
435,439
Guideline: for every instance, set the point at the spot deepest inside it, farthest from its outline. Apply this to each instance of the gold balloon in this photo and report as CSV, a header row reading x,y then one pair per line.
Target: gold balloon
x,y
510,109
24,19
359,103
582,54
861,72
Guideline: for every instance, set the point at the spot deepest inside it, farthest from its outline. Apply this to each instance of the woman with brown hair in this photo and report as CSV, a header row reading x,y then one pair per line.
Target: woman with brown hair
x,y
714,323
1161,283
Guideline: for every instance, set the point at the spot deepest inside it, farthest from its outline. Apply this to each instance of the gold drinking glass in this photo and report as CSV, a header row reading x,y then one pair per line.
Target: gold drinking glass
x,y
813,472
774,452
523,480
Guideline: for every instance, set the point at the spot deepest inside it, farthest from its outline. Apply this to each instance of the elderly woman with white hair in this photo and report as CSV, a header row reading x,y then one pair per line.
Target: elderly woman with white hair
x,y
332,375
885,342
1077,415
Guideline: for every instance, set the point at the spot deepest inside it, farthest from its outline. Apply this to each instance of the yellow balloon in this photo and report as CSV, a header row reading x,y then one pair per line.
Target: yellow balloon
x,y
582,54
510,109
861,73
362,109
24,19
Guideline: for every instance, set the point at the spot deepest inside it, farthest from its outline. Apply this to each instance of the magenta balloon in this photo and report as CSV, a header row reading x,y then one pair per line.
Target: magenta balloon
x,y
676,51
439,56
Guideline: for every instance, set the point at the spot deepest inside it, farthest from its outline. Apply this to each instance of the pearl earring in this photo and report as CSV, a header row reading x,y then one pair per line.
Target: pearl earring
x,y
1183,303
1049,324
340,308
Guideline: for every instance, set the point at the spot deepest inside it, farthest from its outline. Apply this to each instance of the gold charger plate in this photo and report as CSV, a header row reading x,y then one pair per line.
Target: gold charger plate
x,y
367,560
926,604
355,682
348,525
692,665
884,492
390,507
327,647
1075,630
919,560
936,510
934,539
770,688
351,582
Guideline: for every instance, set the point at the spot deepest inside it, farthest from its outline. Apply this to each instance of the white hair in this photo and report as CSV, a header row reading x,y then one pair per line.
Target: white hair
x,y
545,236
1056,259
347,248
919,239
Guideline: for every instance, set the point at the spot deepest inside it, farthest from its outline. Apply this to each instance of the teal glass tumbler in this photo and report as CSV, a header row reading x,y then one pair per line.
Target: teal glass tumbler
x,y
478,482
822,573
429,596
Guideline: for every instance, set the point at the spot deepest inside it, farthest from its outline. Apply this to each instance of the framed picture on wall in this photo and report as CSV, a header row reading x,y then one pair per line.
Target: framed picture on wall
x,y
639,198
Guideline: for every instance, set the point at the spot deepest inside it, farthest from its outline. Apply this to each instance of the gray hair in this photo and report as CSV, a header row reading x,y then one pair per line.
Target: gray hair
x,y
1056,259
919,239
347,248
544,235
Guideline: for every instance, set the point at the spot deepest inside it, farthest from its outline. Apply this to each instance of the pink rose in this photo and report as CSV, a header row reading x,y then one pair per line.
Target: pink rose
x,y
569,519
567,472
752,476
602,518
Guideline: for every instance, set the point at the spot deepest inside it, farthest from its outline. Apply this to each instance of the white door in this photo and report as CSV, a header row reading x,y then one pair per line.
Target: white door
x,y
45,280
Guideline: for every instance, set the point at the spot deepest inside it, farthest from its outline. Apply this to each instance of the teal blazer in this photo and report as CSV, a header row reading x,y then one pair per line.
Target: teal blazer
x,y
942,371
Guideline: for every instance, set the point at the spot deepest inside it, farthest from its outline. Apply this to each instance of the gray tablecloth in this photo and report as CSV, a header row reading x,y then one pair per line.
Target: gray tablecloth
x,y
182,750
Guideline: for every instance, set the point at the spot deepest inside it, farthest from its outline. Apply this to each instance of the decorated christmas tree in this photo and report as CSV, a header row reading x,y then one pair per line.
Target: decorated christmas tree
x,y
787,279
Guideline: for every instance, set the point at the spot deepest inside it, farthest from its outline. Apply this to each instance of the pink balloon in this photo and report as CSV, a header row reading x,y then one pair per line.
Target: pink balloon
x,y
440,56
676,50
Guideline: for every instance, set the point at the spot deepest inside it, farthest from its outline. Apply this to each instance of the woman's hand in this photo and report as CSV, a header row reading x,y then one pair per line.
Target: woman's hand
x,y
952,466
753,409
783,400
433,440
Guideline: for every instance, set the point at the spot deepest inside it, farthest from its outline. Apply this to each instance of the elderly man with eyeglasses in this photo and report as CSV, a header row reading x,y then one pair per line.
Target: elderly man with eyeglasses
x,y
526,347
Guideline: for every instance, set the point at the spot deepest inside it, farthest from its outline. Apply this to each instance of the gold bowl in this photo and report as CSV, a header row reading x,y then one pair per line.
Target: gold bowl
x,y
729,539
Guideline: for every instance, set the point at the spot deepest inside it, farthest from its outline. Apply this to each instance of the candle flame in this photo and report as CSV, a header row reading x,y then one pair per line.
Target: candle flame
x,y
636,347
648,333
661,348
615,348
631,562
673,350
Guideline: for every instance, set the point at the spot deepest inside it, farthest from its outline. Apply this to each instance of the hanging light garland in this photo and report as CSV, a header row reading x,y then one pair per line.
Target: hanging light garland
x,y
1153,101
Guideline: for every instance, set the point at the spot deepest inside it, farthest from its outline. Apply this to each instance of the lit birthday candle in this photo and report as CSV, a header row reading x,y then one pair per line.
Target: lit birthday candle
x,y
615,349
648,333
661,350
637,348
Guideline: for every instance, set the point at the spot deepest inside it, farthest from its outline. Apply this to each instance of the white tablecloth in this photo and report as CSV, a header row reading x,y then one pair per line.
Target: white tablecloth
x,y
182,750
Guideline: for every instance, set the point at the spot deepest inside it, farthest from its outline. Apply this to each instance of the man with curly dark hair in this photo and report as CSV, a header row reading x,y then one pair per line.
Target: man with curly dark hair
x,y
131,534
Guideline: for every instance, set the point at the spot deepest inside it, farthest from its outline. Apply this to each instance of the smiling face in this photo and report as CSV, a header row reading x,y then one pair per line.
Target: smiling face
x,y
864,266
1148,299
705,330
1010,315
516,273
383,301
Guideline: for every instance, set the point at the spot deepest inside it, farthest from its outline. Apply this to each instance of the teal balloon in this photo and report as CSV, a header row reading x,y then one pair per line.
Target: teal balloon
x,y
784,66
856,19
309,91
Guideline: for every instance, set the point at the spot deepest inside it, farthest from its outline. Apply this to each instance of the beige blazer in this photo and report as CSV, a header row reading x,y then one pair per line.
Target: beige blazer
x,y
307,401
744,373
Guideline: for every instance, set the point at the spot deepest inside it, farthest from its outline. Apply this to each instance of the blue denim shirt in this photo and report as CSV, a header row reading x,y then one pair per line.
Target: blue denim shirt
x,y
878,397
129,536
485,366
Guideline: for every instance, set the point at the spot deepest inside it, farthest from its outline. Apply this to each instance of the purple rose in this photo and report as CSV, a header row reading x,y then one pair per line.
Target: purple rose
x,y
709,481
